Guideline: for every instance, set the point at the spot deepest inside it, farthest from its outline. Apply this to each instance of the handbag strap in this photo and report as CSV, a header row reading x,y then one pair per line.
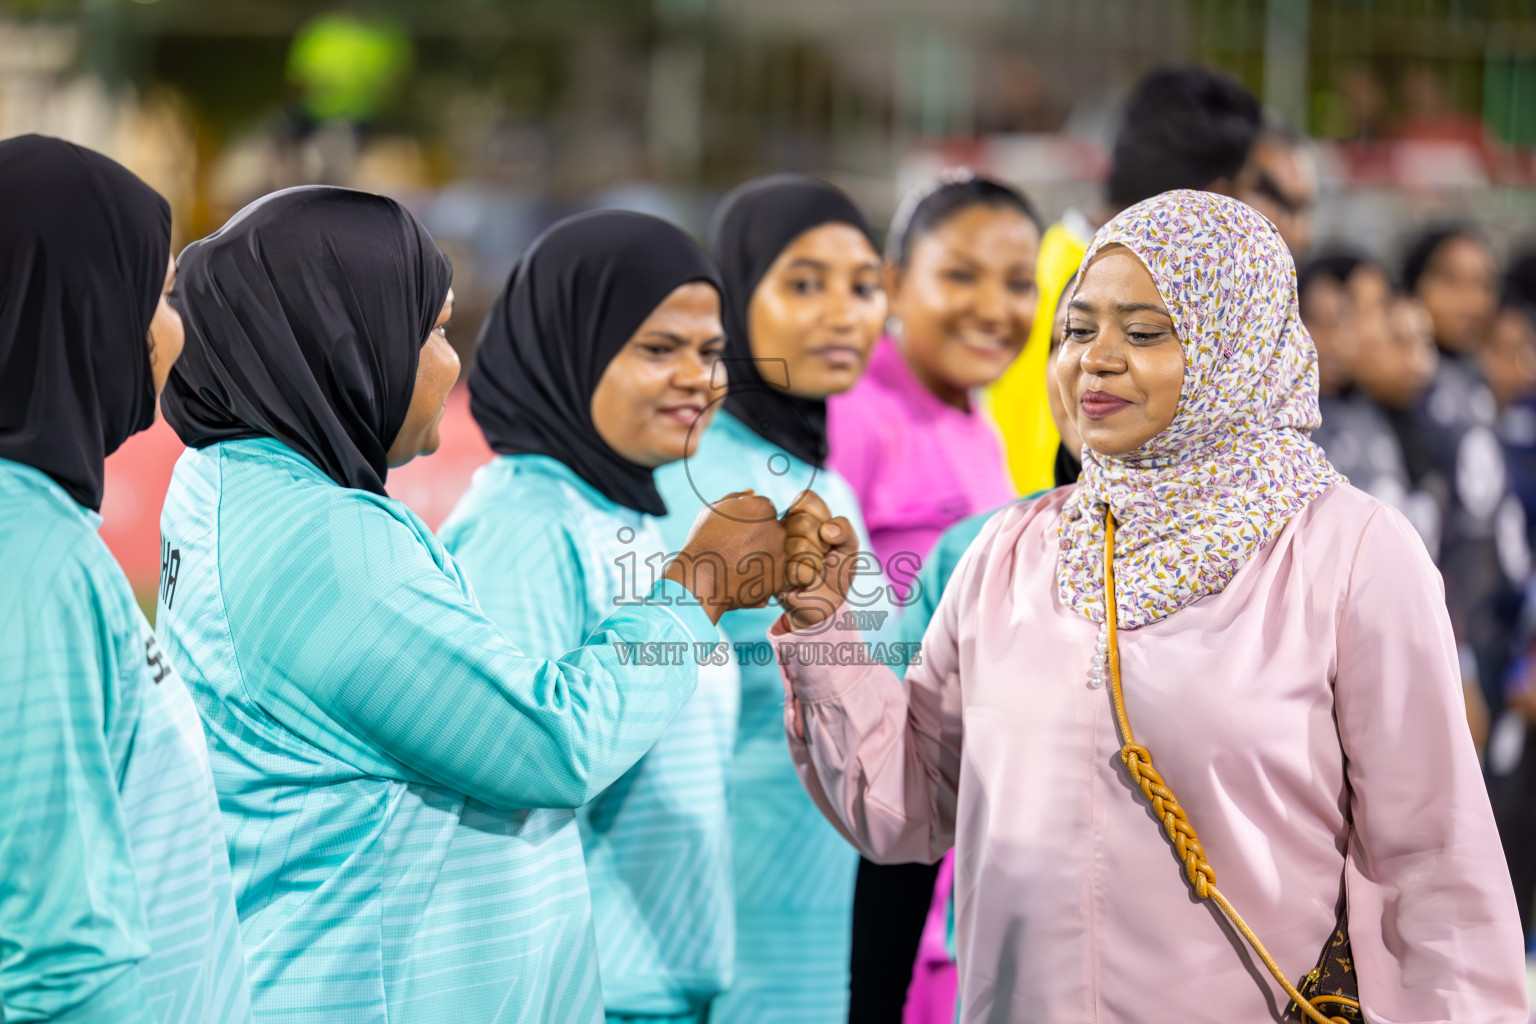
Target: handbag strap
x,y
1202,877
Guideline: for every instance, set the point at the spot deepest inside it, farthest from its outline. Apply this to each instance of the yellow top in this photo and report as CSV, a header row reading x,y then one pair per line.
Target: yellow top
x,y
1017,401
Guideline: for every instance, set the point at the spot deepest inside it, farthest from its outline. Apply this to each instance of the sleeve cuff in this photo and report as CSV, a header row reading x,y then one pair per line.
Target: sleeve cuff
x,y
829,629
676,600
822,663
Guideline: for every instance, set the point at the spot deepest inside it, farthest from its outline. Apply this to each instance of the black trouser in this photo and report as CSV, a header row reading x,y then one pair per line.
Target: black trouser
x,y
890,907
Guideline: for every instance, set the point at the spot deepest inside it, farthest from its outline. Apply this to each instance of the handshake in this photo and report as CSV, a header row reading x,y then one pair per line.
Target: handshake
x,y
740,554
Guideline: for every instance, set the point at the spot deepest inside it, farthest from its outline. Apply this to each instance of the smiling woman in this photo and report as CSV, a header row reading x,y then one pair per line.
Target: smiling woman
x,y
818,308
802,297
921,455
1120,366
594,368
651,404
961,276
335,646
436,373
1281,639
918,451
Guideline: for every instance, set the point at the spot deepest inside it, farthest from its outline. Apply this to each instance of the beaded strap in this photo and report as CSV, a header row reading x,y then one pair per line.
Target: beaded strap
x,y
1202,877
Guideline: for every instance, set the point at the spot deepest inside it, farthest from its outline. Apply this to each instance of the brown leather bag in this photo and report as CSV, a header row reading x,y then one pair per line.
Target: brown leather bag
x,y
1329,993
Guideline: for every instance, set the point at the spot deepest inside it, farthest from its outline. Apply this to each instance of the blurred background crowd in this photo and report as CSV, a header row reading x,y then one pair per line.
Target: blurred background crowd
x,y
1397,154
492,118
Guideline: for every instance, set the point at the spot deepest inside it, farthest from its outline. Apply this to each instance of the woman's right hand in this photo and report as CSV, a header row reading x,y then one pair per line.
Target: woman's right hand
x,y
734,556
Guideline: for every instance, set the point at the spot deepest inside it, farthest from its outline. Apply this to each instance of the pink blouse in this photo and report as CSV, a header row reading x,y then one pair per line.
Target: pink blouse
x,y
1319,688
917,464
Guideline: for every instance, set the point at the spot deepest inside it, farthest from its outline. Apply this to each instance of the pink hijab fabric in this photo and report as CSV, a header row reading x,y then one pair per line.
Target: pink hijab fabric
x,y
1196,502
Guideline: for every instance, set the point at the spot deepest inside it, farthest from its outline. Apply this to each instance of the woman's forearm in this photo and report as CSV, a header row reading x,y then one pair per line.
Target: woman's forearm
x,y
879,757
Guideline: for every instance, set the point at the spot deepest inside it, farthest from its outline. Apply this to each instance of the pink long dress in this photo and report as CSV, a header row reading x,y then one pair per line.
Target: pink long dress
x,y
1319,688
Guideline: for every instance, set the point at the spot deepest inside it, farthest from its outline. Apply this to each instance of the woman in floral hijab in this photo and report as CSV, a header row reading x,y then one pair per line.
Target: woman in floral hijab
x,y
1283,652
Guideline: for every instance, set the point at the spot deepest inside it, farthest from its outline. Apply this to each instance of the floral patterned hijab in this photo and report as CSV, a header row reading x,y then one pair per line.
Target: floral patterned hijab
x,y
1196,502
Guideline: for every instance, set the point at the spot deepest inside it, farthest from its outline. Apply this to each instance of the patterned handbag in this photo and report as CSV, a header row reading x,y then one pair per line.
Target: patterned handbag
x,y
1329,993
1331,986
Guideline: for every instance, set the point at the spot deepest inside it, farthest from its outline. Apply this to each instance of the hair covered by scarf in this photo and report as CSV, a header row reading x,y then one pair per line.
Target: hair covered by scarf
x,y
755,223
305,317
83,248
1196,502
570,306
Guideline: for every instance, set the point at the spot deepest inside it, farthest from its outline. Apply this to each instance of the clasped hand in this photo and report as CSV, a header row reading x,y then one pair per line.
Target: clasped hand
x,y
741,554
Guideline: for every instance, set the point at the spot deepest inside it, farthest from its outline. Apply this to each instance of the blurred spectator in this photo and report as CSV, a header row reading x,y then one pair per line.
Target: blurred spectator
x,y
1449,135
1399,377
1359,121
1512,767
157,141
1508,361
1364,102
1510,364
1321,291
1279,179
1508,358
1453,449
1520,279
1453,271
1373,356
1182,128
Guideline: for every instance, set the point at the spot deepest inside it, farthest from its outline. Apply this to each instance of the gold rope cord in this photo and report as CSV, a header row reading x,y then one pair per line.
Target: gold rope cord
x,y
1166,806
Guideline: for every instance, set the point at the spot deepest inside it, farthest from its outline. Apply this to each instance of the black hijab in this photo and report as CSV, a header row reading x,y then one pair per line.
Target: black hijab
x,y
755,223
83,251
305,318
572,302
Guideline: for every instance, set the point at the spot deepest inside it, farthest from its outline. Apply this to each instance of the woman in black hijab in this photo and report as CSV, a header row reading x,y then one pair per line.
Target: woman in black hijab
x,y
802,351
87,253
336,648
571,306
593,369
803,308
116,896
321,355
